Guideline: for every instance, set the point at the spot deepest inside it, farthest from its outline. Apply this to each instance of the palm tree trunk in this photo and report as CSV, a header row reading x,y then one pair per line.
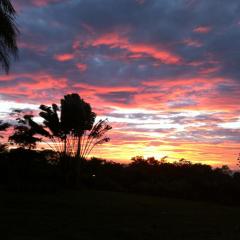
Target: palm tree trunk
x,y
78,147
78,162
65,146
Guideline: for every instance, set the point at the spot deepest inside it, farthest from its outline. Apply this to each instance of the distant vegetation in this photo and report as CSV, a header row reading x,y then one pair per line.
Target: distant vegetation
x,y
32,170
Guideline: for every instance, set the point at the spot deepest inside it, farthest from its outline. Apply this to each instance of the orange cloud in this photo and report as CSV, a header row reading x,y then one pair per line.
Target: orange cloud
x,y
64,57
114,40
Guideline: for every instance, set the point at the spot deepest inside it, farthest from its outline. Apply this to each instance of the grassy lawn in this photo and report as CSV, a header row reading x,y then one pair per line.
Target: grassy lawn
x,y
74,215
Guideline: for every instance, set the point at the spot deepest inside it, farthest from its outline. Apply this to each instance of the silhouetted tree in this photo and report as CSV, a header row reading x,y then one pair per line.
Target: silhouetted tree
x,y
8,33
152,161
23,134
182,161
77,117
3,127
73,133
95,137
52,128
238,160
163,159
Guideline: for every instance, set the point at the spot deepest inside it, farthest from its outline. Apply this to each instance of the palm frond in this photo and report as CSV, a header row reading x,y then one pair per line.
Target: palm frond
x,y
8,34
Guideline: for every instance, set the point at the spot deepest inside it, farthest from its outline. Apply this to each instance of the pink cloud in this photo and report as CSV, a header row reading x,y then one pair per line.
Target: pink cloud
x,y
192,43
209,70
114,40
202,29
64,57
33,46
33,90
82,67
37,3
177,90
140,1
41,3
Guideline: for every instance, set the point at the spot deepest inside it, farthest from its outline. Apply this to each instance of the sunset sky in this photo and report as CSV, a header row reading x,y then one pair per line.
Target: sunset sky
x,y
166,73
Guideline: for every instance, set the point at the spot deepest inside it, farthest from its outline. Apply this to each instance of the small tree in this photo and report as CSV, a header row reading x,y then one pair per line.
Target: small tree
x,y
3,127
238,160
23,134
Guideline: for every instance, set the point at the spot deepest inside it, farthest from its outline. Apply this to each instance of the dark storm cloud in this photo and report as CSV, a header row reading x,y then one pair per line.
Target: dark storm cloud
x,y
54,28
217,135
122,97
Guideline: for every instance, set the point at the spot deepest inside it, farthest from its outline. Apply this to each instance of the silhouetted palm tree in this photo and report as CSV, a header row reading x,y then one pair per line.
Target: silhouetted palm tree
x,y
52,128
96,137
8,34
73,133
77,117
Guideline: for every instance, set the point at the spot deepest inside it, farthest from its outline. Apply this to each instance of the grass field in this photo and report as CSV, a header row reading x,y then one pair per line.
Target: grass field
x,y
84,215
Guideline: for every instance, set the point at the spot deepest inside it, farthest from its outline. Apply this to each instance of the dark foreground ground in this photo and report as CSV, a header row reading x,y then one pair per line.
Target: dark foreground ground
x,y
84,215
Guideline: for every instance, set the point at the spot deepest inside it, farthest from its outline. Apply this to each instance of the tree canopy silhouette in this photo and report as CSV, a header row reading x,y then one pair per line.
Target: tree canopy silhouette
x,y
8,34
23,134
77,117
3,127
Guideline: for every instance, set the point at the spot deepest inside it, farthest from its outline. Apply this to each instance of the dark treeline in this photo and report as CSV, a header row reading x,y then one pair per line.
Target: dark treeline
x,y
70,133
31,170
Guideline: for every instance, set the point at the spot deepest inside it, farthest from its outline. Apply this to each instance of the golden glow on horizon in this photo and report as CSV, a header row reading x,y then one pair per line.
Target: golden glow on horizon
x,y
147,137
